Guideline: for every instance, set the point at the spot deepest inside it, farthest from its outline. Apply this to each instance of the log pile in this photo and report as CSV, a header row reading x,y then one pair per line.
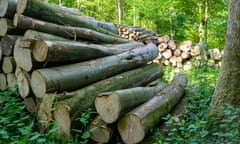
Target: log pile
x,y
63,60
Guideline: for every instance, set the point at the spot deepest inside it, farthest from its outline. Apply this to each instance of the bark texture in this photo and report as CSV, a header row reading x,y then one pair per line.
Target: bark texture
x,y
228,87
135,125
74,103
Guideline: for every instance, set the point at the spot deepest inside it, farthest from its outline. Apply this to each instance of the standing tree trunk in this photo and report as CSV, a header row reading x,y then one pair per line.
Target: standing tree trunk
x,y
228,87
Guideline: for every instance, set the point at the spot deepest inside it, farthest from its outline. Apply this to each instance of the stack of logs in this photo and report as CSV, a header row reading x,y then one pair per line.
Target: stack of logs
x,y
179,57
63,60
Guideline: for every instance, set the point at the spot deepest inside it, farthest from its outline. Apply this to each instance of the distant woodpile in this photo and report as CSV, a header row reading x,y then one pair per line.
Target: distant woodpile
x,y
180,57
68,62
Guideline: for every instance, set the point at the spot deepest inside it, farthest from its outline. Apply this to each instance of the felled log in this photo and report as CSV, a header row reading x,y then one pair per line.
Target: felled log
x,y
74,33
74,103
8,65
100,131
112,105
3,81
8,28
163,39
7,44
134,126
60,51
23,81
74,76
167,54
23,56
172,44
8,8
30,103
32,8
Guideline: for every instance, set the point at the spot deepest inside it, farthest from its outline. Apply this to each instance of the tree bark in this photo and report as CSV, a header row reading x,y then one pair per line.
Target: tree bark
x,y
73,104
227,87
60,51
8,65
100,131
112,105
25,22
134,126
75,76
33,7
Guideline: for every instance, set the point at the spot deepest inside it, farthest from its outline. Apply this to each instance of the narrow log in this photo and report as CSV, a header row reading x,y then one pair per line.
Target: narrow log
x,y
112,105
172,44
74,76
23,81
135,125
100,131
3,81
1,54
8,65
8,28
74,103
32,8
162,47
177,52
17,70
12,82
60,51
185,55
7,44
25,22
3,7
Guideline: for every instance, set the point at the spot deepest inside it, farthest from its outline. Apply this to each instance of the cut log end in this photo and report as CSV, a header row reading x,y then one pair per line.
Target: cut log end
x,y
108,111
40,50
3,81
131,129
23,84
21,6
4,25
3,7
16,19
38,84
62,118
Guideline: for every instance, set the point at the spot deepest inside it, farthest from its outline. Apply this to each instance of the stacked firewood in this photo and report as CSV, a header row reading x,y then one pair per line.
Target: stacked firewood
x,y
62,60
135,33
214,57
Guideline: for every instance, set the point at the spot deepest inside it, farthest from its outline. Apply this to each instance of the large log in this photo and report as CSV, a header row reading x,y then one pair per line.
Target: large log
x,y
60,51
12,82
25,22
100,131
32,8
75,76
8,8
74,103
134,126
112,105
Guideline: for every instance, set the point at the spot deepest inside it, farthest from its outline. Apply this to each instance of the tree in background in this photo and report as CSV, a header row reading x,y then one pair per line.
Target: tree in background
x,y
228,87
196,20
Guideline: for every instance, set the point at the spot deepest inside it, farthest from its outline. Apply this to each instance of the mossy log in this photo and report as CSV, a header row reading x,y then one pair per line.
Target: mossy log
x,y
74,76
100,131
32,8
134,126
69,32
112,105
72,104
68,51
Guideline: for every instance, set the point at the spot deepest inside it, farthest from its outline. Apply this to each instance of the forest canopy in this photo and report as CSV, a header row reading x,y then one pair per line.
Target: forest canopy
x,y
196,20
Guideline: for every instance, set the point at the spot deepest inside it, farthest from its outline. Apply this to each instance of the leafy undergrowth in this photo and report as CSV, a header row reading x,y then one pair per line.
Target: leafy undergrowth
x,y
196,127
17,126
